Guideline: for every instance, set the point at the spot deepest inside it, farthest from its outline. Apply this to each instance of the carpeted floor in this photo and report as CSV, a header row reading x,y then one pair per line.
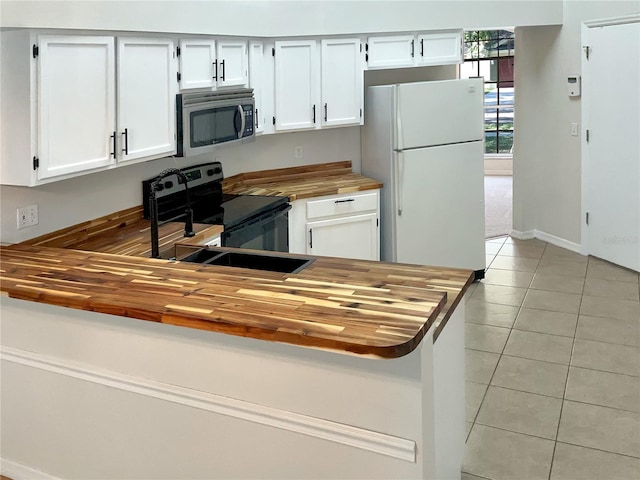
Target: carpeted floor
x,y
498,204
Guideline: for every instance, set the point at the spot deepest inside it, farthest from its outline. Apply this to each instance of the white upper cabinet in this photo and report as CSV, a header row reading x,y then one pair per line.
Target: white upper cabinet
x,y
232,63
147,86
76,104
211,64
296,85
197,64
342,81
428,48
440,48
257,80
390,51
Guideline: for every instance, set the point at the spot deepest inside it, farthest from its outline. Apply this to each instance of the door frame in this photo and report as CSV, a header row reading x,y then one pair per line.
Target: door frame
x,y
585,28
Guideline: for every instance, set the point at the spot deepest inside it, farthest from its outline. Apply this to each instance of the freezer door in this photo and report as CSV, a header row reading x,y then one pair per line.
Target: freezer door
x,y
440,207
439,113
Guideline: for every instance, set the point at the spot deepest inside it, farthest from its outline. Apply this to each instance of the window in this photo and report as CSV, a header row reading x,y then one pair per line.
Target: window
x,y
490,54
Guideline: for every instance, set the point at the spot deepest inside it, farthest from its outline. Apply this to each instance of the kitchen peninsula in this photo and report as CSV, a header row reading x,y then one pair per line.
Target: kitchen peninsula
x,y
120,366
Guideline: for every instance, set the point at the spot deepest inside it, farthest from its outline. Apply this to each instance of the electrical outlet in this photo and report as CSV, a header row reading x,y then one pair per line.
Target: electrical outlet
x,y
297,151
27,216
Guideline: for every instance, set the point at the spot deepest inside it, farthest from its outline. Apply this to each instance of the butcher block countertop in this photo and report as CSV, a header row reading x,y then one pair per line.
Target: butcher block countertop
x,y
301,182
351,306
125,233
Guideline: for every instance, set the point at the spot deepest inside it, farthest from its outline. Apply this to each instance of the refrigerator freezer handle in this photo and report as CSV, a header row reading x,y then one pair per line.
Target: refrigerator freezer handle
x,y
400,181
398,126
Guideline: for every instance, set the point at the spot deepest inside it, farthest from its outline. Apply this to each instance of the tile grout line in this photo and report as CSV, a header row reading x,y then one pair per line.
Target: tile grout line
x,y
599,450
566,381
499,358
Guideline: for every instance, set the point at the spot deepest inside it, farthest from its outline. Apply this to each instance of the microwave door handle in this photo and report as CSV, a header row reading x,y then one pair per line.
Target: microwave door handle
x,y
242,121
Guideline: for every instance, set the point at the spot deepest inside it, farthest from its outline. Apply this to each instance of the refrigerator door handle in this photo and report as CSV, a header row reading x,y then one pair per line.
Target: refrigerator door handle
x,y
399,181
398,133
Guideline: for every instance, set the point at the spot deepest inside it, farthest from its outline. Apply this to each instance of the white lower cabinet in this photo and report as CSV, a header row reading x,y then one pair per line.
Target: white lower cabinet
x,y
350,237
337,226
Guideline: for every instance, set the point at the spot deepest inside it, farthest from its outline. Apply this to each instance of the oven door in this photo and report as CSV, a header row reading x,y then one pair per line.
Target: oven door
x,y
268,231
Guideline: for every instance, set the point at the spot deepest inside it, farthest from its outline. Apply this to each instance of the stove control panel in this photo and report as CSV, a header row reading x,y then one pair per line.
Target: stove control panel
x,y
196,175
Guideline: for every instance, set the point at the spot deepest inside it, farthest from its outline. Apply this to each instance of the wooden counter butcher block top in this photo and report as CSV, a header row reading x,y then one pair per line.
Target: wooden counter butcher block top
x,y
358,307
301,182
125,233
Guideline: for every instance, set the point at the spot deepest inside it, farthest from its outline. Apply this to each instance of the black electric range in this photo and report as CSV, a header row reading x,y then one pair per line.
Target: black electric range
x,y
250,221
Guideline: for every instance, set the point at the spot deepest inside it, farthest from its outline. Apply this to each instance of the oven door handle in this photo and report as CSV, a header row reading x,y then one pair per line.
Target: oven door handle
x,y
262,219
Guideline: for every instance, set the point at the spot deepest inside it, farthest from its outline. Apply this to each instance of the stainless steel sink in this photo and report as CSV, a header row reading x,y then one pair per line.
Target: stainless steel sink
x,y
269,261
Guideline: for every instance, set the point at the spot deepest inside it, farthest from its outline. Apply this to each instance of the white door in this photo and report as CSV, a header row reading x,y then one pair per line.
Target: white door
x,y
232,63
257,80
611,92
342,81
147,85
76,104
197,64
440,206
346,237
296,88
439,113
390,51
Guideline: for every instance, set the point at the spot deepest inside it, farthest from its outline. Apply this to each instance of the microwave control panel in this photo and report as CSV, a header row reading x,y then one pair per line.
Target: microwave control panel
x,y
248,120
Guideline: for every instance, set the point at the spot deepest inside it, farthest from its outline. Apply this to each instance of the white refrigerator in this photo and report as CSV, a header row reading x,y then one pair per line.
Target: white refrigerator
x,y
425,142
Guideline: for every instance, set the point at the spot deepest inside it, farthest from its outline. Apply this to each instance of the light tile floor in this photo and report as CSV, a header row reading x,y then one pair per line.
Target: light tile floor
x,y
553,366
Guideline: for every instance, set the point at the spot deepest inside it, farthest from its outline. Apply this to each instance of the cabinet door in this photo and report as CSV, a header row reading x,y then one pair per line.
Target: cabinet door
x,y
197,64
342,78
440,48
76,104
390,51
146,98
232,63
257,81
347,237
296,78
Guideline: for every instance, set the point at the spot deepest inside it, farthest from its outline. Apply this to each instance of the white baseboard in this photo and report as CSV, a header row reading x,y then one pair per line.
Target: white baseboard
x,y
526,235
546,237
17,471
397,447
558,242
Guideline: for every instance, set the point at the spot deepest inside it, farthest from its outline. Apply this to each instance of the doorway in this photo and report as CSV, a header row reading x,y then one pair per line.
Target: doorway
x,y
490,54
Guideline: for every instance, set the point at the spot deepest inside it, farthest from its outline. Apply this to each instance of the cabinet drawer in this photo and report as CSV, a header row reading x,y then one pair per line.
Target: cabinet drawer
x,y
343,205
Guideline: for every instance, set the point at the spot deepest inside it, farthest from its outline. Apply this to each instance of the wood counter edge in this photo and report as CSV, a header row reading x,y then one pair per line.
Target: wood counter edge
x,y
99,305
452,307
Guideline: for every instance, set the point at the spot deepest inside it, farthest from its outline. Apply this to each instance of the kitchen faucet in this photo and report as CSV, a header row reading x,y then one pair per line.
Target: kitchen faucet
x,y
153,209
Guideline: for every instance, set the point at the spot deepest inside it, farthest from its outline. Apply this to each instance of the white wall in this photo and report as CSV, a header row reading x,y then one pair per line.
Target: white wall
x,y
278,18
547,159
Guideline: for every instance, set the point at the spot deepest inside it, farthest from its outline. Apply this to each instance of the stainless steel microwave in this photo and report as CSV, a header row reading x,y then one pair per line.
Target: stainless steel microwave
x,y
207,119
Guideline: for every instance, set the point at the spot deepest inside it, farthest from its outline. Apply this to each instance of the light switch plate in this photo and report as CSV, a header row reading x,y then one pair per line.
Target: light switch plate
x,y
574,129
